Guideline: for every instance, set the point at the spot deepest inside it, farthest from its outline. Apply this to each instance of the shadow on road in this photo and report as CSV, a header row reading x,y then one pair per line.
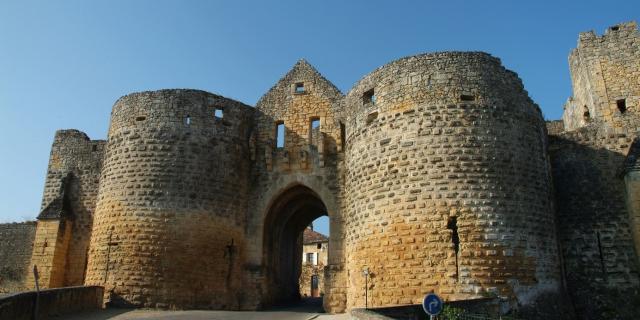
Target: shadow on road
x,y
305,305
308,308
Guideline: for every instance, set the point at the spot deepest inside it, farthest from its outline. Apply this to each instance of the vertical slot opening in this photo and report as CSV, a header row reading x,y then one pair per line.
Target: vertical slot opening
x,y
622,105
343,134
586,116
452,225
314,129
280,134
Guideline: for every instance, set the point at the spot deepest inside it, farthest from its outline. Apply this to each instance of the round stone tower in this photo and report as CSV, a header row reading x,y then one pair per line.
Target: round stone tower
x,y
169,223
447,185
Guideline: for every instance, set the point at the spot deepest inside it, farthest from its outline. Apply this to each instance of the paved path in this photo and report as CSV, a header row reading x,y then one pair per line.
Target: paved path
x,y
304,311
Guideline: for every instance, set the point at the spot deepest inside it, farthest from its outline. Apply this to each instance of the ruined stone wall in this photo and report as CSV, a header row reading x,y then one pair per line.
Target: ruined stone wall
x,y
593,223
555,127
605,70
16,241
631,173
310,158
448,185
169,229
69,198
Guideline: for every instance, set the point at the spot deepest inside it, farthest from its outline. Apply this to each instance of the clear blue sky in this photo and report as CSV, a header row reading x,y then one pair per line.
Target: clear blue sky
x,y
64,63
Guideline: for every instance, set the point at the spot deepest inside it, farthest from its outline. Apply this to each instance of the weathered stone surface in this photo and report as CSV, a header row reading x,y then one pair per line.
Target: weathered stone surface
x,y
437,172
16,244
439,206
171,211
605,70
595,223
65,222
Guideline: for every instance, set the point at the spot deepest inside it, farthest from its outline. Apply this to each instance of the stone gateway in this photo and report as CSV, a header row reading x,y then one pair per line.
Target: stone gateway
x,y
438,174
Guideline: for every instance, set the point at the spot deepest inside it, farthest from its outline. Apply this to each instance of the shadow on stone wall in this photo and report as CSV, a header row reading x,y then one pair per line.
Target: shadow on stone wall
x,y
598,259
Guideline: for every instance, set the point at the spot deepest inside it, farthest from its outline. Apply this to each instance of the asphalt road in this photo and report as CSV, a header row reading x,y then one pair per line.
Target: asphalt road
x,y
305,311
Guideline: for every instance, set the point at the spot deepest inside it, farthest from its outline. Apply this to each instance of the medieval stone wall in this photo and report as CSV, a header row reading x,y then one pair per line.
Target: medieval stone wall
x,y
69,200
448,185
310,158
171,211
16,241
604,73
593,223
435,170
595,227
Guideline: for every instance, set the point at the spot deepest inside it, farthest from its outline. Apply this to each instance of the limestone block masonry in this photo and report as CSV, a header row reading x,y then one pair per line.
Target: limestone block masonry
x,y
440,167
437,172
604,73
16,241
172,203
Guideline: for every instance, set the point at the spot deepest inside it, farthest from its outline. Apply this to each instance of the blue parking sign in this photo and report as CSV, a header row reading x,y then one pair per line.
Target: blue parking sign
x,y
432,304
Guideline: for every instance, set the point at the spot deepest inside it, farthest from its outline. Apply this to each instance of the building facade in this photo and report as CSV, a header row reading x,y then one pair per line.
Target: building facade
x,y
315,247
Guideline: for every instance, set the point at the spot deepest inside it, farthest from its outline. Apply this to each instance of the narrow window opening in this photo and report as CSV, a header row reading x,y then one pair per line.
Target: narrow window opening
x,y
219,113
141,118
311,258
615,28
187,120
586,115
369,97
602,269
299,87
467,97
280,134
452,225
314,126
319,246
622,105
372,116
315,123
343,134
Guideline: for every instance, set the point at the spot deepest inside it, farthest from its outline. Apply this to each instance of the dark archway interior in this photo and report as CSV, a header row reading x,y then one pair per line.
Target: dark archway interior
x,y
289,215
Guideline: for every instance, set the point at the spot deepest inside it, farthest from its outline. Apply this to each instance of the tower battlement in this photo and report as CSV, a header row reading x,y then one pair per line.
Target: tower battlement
x,y
604,75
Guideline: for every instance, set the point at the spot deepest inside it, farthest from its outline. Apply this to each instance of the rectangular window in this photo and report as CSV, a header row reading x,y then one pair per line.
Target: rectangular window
x,y
314,129
299,88
219,113
369,97
311,258
622,105
280,134
467,97
315,123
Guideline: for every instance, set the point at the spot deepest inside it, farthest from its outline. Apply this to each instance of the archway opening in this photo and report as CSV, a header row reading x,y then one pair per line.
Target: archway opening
x,y
290,214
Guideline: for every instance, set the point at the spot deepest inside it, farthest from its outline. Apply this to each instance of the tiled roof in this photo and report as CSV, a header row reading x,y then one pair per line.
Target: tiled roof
x,y
310,236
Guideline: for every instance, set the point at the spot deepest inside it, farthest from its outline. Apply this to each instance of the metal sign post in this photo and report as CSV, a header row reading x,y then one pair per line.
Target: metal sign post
x,y
432,305
36,277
